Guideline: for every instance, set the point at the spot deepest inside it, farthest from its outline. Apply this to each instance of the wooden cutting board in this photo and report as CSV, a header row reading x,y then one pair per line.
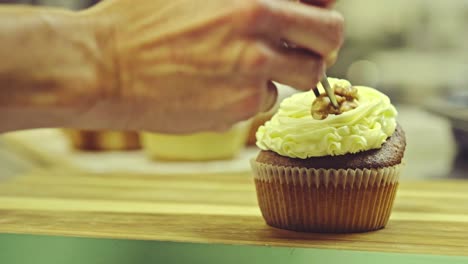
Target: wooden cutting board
x,y
429,217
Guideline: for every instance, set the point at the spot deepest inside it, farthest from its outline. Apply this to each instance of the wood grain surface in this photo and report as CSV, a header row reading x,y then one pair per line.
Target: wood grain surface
x,y
429,217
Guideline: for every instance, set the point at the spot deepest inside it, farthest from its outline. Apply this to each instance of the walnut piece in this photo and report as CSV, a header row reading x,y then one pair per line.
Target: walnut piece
x,y
346,96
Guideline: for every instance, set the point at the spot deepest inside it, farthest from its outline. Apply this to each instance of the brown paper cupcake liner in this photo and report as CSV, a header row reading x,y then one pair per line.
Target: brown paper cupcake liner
x,y
325,200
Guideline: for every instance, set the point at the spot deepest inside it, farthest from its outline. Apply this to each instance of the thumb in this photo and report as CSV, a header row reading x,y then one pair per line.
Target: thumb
x,y
270,98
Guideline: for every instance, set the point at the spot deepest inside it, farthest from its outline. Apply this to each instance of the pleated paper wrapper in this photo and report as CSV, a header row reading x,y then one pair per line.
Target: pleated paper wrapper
x,y
325,200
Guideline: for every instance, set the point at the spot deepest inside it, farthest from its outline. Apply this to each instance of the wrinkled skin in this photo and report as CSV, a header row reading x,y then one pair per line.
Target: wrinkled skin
x,y
180,66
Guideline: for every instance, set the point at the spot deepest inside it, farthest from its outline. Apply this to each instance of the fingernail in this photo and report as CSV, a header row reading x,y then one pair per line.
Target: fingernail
x,y
271,97
331,58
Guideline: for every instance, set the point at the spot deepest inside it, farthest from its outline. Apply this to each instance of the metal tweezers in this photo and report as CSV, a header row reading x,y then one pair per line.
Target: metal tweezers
x,y
328,90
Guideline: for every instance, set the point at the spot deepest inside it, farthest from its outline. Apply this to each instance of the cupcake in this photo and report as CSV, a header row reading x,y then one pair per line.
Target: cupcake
x,y
198,146
90,140
330,170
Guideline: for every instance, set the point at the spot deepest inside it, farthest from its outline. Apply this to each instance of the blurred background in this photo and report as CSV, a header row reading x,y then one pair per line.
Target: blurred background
x,y
415,52
410,49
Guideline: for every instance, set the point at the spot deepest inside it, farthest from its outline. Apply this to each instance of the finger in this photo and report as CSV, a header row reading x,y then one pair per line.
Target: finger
x,y
297,68
321,3
316,29
270,98
331,59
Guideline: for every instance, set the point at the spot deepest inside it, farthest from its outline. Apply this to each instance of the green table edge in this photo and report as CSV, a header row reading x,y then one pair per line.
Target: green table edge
x,y
38,249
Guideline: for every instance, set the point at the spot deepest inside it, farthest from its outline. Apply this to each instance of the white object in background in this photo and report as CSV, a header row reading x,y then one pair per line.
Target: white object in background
x,y
420,74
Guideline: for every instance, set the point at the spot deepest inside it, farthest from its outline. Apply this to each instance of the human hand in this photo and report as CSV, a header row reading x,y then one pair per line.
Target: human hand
x,y
185,66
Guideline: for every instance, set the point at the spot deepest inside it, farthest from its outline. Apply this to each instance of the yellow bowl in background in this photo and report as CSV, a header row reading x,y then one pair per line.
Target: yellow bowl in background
x,y
196,147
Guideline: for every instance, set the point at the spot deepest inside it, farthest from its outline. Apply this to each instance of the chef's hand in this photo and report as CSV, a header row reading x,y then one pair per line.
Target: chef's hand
x,y
185,65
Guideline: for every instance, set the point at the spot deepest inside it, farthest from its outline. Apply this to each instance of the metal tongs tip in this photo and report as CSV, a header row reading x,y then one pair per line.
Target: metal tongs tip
x,y
328,90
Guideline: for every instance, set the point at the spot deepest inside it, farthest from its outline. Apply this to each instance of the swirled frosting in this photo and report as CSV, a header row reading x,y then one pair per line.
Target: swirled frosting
x,y
292,132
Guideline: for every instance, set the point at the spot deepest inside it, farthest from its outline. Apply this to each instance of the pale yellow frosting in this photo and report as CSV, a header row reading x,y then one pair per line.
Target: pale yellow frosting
x,y
292,131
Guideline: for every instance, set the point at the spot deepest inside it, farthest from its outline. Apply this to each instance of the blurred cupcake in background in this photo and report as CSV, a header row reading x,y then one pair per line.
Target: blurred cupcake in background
x,y
198,146
260,119
90,140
